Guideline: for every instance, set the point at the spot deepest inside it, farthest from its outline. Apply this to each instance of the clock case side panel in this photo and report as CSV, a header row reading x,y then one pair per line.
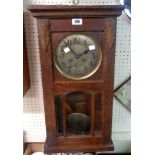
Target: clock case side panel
x,y
47,80
108,71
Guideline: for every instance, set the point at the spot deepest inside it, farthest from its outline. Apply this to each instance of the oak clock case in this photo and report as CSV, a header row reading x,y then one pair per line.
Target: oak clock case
x,y
77,65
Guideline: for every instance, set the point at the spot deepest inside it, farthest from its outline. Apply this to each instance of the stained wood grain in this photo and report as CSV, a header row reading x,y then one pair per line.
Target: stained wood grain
x,y
70,11
54,23
26,76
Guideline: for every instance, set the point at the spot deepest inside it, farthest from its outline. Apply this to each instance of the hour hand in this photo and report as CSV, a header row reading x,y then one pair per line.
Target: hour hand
x,y
86,51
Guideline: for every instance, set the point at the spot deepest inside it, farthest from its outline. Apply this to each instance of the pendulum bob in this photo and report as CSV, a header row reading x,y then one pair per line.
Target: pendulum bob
x,y
78,123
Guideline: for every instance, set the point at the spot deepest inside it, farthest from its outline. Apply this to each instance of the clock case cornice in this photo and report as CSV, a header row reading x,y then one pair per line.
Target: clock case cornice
x,y
58,11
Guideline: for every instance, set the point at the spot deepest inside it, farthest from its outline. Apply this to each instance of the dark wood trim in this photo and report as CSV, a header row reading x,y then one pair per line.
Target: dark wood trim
x,y
58,11
26,75
92,113
108,72
114,153
73,7
38,147
98,26
85,148
82,86
64,115
45,55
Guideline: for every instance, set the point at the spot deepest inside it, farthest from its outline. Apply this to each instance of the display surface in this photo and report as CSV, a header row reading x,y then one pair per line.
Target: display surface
x,y
77,56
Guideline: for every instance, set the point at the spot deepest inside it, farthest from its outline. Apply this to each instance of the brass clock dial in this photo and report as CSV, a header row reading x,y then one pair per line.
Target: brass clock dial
x,y
77,56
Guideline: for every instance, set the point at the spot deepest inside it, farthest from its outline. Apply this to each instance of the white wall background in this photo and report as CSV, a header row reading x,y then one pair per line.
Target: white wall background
x,y
34,123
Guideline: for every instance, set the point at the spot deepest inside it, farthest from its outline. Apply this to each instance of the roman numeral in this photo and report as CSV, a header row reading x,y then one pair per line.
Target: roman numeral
x,y
91,63
69,42
76,40
85,42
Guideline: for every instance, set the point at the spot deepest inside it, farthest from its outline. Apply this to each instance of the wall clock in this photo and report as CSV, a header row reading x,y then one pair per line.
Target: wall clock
x,y
77,56
77,51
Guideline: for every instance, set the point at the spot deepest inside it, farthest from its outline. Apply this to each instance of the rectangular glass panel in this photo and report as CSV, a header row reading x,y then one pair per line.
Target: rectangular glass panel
x,y
59,116
78,113
98,114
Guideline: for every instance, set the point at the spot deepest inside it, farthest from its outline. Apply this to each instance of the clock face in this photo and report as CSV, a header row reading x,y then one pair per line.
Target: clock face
x,y
77,56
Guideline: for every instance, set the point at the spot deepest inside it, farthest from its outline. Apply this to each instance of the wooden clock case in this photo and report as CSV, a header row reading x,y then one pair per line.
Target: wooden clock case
x,y
54,23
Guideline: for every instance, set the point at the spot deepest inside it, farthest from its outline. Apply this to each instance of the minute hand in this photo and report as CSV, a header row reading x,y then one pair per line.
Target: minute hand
x,y
71,49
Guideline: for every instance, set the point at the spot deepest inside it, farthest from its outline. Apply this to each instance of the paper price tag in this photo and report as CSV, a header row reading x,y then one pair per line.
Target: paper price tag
x,y
77,21
66,50
91,47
